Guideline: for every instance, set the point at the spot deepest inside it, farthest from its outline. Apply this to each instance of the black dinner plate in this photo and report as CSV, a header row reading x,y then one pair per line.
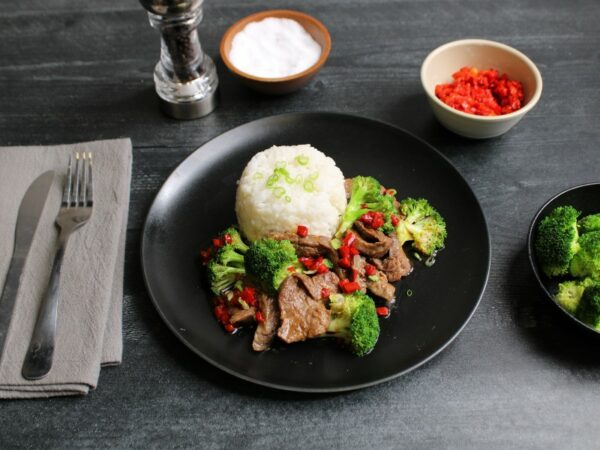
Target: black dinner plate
x,y
197,201
584,198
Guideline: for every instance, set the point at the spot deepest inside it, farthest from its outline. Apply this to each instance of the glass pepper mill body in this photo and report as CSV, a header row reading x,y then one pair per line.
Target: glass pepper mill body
x,y
185,78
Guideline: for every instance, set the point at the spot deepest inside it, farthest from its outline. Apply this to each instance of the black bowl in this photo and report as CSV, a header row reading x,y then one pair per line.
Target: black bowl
x,y
585,198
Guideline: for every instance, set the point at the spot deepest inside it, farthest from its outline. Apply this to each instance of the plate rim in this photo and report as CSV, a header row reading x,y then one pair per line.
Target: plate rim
x,y
283,387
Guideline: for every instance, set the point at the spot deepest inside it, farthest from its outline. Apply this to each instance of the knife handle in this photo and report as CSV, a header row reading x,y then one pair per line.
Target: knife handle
x,y
38,360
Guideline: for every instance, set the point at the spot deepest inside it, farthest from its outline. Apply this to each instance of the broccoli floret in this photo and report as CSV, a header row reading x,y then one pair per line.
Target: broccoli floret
x,y
588,310
570,292
227,265
228,256
589,223
225,269
354,319
366,196
556,240
268,261
422,224
586,262
236,240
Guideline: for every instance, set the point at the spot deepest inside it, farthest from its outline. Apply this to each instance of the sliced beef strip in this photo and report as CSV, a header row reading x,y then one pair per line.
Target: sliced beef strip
x,y
309,285
358,264
328,280
382,288
302,317
310,246
265,331
376,249
378,263
240,316
397,264
369,234
314,285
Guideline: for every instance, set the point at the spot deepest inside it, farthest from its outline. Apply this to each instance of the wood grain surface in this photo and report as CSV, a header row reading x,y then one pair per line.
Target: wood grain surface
x,y
519,376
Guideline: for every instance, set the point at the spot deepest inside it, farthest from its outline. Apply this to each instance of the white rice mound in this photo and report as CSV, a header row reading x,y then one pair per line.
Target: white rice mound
x,y
286,186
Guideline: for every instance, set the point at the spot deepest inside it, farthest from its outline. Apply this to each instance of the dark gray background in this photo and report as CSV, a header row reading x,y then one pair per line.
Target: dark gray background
x,y
518,376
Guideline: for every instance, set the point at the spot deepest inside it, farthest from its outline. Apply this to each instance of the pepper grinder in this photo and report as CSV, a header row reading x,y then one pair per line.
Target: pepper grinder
x,y
185,78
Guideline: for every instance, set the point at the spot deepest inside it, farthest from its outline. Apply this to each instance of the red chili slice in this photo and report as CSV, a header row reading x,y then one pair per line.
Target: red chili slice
x,y
344,251
229,328
302,231
366,218
216,242
325,293
247,295
345,263
307,261
395,220
349,238
322,268
370,270
378,220
383,311
228,239
205,255
354,251
349,286
259,317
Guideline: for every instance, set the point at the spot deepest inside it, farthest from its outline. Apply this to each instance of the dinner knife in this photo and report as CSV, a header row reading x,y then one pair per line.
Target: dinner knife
x,y
28,218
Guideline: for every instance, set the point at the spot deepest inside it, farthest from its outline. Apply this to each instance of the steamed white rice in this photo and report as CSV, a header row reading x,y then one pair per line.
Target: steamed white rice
x,y
286,186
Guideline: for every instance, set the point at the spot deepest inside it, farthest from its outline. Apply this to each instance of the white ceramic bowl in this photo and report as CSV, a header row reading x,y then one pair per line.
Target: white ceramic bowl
x,y
441,63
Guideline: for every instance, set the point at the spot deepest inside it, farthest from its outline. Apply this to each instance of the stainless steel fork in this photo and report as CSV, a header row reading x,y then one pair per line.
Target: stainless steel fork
x,y
75,211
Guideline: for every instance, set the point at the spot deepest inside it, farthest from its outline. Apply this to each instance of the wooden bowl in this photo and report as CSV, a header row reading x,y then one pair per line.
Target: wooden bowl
x,y
285,85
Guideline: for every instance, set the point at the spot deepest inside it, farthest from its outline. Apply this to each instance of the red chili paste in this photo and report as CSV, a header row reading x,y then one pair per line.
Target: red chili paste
x,y
481,92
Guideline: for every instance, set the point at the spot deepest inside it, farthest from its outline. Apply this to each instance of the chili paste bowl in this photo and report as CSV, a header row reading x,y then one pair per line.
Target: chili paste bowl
x,y
441,63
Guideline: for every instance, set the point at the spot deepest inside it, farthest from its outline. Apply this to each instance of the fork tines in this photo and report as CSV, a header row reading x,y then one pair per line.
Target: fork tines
x,y
78,190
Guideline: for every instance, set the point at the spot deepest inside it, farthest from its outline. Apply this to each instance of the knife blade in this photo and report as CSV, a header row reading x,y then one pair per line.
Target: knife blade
x,y
28,218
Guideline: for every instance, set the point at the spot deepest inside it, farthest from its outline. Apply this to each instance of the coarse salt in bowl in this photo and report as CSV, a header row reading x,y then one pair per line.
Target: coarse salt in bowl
x,y
269,61
274,47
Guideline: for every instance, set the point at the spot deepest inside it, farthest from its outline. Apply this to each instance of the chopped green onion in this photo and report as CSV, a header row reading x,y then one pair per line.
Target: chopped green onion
x,y
229,296
287,198
239,285
309,186
430,261
417,256
373,278
283,172
336,243
409,292
336,298
328,263
279,192
280,164
302,160
258,176
243,304
313,176
272,179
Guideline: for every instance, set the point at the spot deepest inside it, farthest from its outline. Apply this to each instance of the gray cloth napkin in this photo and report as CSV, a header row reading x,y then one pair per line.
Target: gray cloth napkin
x,y
91,290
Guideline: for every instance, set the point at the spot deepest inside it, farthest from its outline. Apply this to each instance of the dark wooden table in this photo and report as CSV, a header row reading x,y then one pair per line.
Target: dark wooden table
x,y
518,376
